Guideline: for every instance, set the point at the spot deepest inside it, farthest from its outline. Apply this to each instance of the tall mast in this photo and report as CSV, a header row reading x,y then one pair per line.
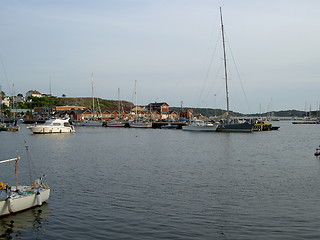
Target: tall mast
x,y
92,87
119,103
136,98
225,63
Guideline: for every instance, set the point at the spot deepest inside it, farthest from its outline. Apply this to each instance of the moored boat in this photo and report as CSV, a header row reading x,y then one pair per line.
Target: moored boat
x,y
88,123
200,126
140,124
235,127
55,125
229,125
116,123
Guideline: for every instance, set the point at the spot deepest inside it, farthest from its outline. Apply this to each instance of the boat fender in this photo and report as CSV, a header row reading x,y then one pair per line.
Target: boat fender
x,y
10,205
38,198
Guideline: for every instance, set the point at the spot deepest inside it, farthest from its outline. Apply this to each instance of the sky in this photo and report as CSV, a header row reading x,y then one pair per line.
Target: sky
x,y
172,49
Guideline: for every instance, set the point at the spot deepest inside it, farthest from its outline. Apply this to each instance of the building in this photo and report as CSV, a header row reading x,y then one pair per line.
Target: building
x,y
162,108
33,93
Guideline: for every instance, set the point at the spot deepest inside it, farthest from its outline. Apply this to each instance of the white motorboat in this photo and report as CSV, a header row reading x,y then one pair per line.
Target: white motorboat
x,y
21,197
200,125
55,125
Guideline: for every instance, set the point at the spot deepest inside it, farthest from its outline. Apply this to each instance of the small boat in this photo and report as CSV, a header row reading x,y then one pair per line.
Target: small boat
x,y
116,123
200,126
89,123
317,153
17,198
10,127
140,124
169,126
54,125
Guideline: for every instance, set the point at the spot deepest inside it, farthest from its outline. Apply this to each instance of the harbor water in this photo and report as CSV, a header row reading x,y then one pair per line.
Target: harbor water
x,y
122,183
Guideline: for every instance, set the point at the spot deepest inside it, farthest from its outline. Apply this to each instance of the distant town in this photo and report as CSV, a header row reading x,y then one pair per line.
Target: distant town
x,y
38,105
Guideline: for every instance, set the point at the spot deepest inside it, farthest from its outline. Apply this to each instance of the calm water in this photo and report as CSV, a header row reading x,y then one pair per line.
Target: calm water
x,y
110,183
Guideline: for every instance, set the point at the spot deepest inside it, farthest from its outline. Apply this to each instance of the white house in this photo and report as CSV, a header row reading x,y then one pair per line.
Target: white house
x,y
33,93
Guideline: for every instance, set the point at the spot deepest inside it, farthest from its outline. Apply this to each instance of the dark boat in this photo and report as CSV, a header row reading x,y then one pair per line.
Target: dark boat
x,y
229,126
235,127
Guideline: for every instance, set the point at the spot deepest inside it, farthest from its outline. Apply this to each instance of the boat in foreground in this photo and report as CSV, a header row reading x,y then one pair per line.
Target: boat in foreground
x,y
55,125
200,126
21,197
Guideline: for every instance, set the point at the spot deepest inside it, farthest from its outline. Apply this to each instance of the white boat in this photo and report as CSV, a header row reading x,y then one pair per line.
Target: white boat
x,y
200,126
21,197
55,125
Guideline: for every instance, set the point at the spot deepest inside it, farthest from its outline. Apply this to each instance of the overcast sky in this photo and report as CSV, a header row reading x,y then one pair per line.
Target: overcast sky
x,y
171,47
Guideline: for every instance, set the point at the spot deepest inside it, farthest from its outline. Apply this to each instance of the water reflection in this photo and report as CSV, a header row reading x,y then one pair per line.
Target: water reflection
x,y
15,225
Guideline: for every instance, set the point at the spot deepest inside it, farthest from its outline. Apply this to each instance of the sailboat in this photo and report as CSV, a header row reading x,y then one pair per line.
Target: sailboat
x,y
200,126
138,123
118,122
230,125
21,197
93,122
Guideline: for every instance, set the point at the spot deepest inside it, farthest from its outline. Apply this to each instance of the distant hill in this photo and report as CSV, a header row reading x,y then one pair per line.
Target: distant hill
x,y
87,102
103,103
218,112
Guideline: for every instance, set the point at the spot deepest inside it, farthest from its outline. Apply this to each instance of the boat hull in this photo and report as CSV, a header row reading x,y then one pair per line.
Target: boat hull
x,y
200,128
89,124
140,125
22,202
116,124
235,127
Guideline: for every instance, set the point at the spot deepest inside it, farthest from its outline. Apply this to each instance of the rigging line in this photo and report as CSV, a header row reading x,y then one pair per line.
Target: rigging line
x,y
218,73
33,168
208,70
238,74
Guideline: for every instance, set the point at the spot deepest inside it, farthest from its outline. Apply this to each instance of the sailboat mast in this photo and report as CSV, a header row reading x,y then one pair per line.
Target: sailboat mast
x,y
119,103
92,87
136,98
225,62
